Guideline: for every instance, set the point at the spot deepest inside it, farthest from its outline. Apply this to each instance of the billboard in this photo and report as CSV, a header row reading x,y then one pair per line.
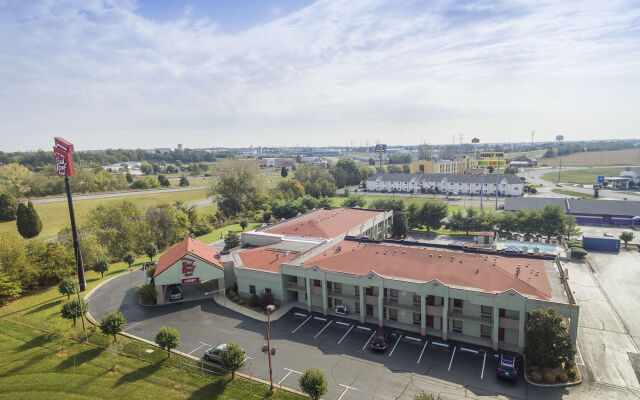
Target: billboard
x,y
491,154
381,148
63,157
491,163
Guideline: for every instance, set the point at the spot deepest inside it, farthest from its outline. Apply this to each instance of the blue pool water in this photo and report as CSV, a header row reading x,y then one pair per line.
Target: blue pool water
x,y
530,246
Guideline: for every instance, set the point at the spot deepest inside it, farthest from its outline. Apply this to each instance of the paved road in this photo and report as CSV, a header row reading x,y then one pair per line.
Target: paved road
x,y
353,372
79,197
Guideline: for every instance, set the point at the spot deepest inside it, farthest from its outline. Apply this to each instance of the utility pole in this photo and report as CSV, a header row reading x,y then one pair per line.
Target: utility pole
x,y
560,170
533,132
481,188
270,308
497,183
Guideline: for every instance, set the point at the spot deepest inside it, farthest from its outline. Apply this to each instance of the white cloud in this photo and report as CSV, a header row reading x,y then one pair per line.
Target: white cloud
x,y
104,76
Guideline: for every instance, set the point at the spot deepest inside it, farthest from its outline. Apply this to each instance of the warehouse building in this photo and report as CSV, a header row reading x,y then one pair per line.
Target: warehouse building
x,y
507,185
599,212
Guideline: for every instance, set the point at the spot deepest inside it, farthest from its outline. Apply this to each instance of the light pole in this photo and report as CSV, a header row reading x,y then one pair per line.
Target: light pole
x,y
270,309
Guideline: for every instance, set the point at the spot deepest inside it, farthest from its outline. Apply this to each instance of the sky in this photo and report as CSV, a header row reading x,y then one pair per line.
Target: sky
x,y
155,73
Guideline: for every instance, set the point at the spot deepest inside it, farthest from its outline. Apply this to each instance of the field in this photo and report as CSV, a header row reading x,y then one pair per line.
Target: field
x,y
587,176
591,158
215,234
55,216
574,194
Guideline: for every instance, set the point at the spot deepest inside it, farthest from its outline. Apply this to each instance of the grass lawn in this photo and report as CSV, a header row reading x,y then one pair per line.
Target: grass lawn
x,y
574,194
55,216
591,158
418,201
587,176
215,235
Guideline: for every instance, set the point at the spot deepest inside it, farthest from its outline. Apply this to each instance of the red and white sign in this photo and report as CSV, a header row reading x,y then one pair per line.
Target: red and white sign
x,y
63,156
191,280
188,267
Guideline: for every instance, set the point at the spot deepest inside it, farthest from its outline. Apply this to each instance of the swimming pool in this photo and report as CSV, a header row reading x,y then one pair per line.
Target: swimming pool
x,y
530,246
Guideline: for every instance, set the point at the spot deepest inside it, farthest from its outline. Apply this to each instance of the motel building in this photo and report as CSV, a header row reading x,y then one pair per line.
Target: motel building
x,y
341,256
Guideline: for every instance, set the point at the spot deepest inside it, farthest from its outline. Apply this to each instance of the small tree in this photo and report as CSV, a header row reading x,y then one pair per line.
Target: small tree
x,y
232,358
8,207
423,396
9,289
164,181
266,298
128,177
112,324
548,344
74,309
399,228
101,265
151,250
67,286
313,383
626,237
184,181
243,224
27,221
284,172
231,240
129,258
167,338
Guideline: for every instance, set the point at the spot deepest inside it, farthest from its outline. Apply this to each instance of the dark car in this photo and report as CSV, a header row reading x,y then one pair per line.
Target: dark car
x,y
509,367
381,339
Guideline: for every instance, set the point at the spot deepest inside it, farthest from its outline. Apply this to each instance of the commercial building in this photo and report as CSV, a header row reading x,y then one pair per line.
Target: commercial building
x,y
456,166
507,185
600,212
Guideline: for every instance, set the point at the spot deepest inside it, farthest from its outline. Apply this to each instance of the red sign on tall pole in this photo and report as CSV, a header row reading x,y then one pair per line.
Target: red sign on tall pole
x,y
63,156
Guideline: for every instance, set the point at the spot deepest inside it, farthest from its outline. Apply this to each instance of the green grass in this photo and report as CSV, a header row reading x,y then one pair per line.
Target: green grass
x,y
55,216
215,235
585,176
418,201
574,194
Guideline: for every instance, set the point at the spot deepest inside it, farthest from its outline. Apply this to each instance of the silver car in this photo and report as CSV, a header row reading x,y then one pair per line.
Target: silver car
x,y
213,354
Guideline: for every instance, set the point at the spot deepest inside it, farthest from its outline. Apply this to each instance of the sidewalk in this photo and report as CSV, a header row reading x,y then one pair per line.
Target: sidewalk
x,y
224,302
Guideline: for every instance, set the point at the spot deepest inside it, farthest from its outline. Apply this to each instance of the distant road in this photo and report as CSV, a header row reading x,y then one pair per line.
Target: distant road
x,y
78,197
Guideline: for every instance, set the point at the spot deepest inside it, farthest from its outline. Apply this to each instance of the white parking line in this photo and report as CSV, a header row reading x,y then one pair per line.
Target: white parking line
x,y
131,326
367,342
247,358
347,388
453,354
199,347
484,359
579,355
426,342
288,373
322,330
300,326
345,335
395,345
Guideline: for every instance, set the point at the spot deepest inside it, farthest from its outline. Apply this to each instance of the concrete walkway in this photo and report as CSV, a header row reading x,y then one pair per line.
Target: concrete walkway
x,y
224,302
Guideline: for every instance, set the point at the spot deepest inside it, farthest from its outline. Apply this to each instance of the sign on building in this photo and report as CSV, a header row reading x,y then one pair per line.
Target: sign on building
x,y
491,154
188,266
492,163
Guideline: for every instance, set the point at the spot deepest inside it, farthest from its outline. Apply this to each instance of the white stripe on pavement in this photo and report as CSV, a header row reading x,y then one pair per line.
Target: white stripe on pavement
x,y
426,342
395,345
131,326
288,373
300,326
199,347
484,359
347,388
345,335
367,342
452,355
322,330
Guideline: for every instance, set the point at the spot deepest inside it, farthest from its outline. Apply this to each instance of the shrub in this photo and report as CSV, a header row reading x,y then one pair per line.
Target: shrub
x,y
571,374
569,365
535,377
549,378
562,377
235,299
231,292
578,252
240,301
254,301
266,298
147,293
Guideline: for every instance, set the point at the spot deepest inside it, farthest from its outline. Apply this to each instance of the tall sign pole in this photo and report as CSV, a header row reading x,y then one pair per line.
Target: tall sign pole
x,y
381,149
63,155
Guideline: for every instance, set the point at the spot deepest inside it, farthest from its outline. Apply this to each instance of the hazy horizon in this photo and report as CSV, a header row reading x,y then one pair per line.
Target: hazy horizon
x,y
145,74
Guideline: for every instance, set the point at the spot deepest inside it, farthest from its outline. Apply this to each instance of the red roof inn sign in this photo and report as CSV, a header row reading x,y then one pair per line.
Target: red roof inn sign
x,y
63,156
188,268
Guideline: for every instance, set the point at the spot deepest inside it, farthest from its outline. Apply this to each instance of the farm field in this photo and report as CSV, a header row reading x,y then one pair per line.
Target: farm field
x,y
587,176
595,158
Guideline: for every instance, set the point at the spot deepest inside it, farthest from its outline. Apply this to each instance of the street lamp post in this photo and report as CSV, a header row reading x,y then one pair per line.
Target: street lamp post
x,y
270,309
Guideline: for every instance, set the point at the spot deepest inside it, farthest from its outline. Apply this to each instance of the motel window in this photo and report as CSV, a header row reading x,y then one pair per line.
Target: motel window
x,y
393,294
393,314
337,287
416,300
369,291
357,307
252,289
356,291
457,326
485,331
416,318
457,303
486,311
267,290
317,283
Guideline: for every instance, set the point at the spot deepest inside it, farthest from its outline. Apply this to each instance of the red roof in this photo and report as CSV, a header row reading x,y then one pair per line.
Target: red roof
x,y
188,246
491,274
324,223
262,259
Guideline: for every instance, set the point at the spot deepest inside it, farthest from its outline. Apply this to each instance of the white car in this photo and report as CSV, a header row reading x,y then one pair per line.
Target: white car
x,y
340,309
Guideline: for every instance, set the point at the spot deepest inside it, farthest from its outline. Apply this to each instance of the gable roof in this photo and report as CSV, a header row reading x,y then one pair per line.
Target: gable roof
x,y
324,223
188,246
491,274
452,178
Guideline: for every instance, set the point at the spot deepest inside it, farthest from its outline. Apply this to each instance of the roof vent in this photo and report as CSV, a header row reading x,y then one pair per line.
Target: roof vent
x,y
395,251
404,252
439,255
460,261
338,249
431,255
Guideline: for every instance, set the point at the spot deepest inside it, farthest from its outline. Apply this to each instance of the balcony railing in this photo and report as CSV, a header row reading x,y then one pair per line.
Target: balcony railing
x,y
341,295
393,302
295,286
457,314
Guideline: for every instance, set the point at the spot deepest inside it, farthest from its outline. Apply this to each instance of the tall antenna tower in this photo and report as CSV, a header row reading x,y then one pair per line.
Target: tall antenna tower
x,y
533,132
461,137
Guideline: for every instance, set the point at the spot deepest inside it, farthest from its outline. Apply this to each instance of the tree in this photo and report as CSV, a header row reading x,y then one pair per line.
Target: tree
x,y
151,250
413,216
67,286
101,265
8,207
552,221
184,181
74,309
399,228
112,324
547,341
316,180
167,338
424,396
288,189
129,258
52,259
432,213
313,383
239,185
231,241
570,227
128,177
346,173
146,168
119,228
232,358
243,224
354,201
14,178
9,289
167,225
164,181
284,172
28,221
626,237
549,153
387,204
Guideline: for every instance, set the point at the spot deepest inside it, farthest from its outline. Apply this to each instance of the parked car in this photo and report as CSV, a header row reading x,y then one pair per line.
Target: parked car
x,y
213,354
341,309
381,339
509,367
175,292
558,185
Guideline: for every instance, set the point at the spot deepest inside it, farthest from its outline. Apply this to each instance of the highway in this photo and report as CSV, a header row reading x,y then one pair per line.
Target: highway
x,y
79,197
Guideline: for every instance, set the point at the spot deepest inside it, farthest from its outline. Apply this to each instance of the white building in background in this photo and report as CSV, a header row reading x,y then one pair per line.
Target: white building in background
x,y
507,185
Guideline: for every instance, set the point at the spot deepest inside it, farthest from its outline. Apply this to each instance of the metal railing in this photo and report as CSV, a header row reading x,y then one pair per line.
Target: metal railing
x,y
457,314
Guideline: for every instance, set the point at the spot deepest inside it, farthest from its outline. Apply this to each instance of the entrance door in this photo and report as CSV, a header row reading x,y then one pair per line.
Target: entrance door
x,y
429,321
330,301
501,334
370,310
384,313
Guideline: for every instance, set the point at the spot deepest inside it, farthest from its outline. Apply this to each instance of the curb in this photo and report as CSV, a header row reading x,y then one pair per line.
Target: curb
x,y
554,385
